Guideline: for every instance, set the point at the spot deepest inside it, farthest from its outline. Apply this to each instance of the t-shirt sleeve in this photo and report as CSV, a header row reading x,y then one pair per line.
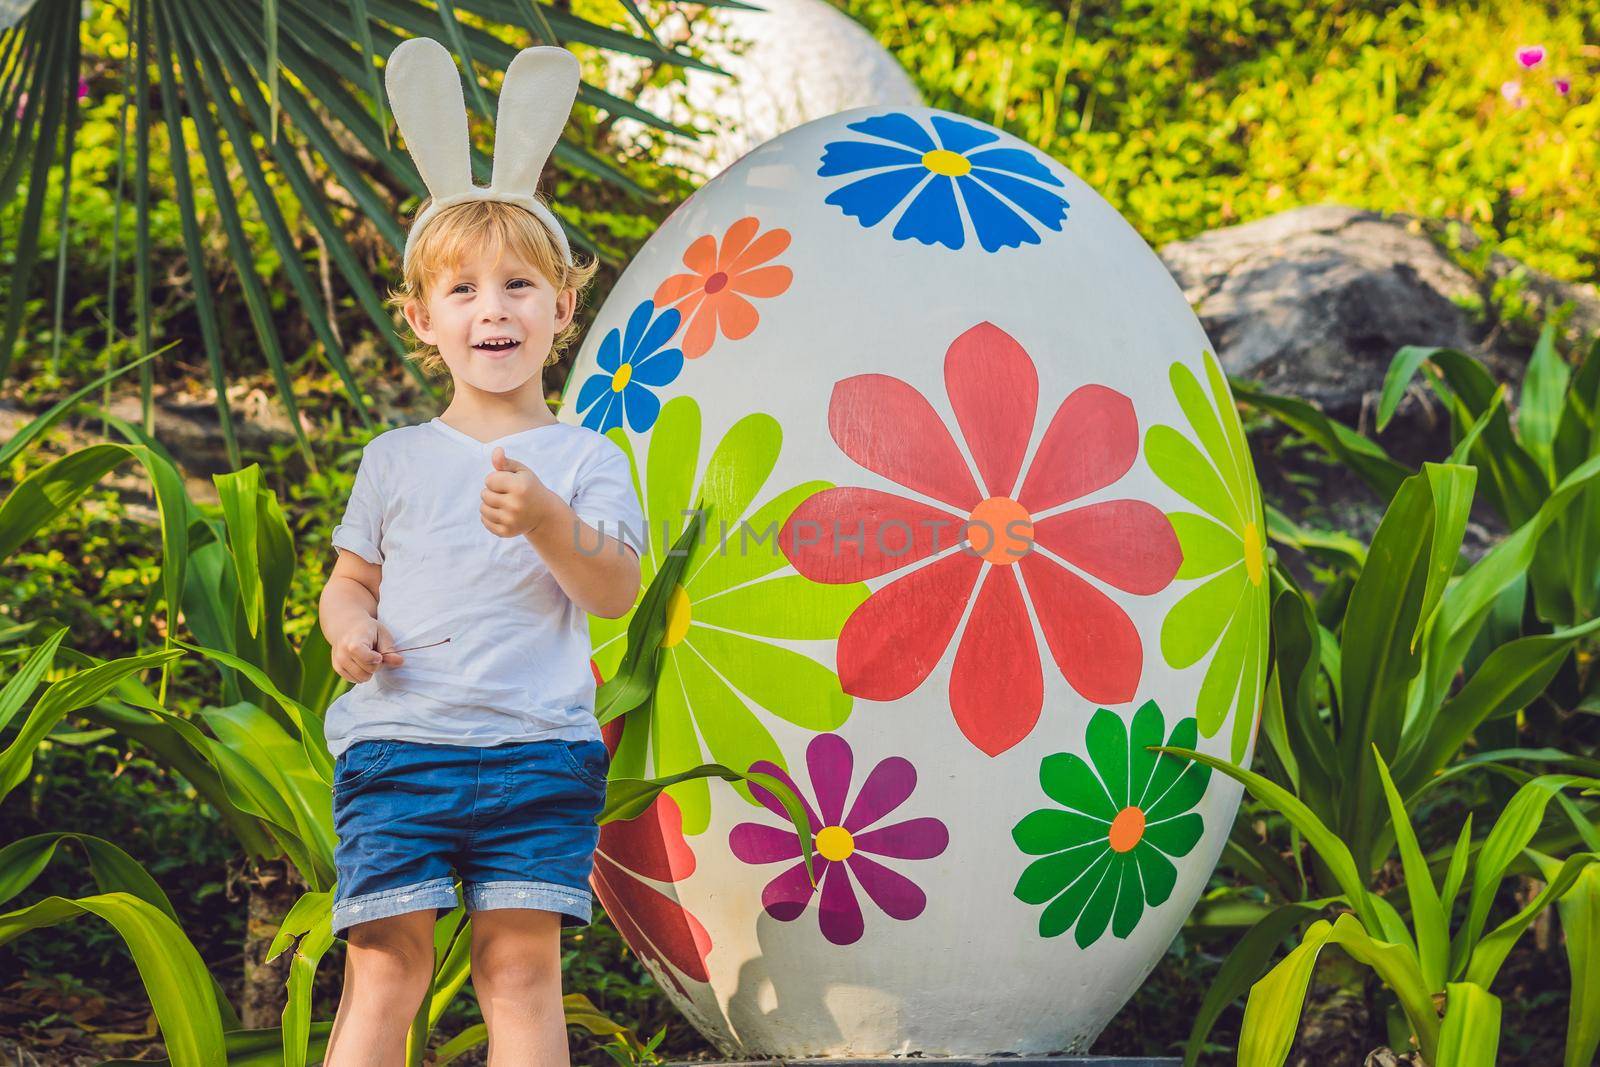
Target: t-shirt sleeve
x,y
362,529
605,498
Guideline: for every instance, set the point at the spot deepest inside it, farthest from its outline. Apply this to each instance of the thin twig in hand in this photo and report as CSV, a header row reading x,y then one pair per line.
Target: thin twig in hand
x,y
413,648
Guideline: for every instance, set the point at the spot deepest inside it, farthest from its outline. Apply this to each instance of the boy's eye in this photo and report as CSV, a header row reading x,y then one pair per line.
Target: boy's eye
x,y
515,283
461,287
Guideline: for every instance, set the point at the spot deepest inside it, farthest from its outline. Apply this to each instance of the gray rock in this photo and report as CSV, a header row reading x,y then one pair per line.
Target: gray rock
x,y
1315,302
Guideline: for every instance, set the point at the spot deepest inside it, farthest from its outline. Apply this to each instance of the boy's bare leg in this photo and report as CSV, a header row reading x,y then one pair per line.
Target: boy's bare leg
x,y
516,972
388,965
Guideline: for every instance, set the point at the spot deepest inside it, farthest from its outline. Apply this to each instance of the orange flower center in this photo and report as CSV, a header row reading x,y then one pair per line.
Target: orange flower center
x,y
717,282
1001,530
1126,829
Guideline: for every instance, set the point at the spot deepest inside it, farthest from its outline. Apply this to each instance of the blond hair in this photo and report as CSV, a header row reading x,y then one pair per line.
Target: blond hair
x,y
465,229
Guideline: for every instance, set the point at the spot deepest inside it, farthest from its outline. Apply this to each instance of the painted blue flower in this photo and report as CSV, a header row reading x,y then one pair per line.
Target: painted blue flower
x,y
632,361
998,185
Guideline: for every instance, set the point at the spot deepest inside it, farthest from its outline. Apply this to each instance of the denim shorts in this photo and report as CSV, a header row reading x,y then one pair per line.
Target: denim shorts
x,y
515,821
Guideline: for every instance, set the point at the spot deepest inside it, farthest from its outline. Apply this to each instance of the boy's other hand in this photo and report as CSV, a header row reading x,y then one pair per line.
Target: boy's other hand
x,y
515,501
356,656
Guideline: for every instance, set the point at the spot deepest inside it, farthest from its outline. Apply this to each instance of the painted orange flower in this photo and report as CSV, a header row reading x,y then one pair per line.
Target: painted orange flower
x,y
712,296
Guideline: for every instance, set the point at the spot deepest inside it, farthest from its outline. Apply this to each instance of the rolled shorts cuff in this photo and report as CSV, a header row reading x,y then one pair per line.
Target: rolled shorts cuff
x,y
576,904
423,896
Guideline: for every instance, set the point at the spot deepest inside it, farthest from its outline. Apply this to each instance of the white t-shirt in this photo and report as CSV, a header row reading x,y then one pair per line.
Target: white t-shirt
x,y
516,667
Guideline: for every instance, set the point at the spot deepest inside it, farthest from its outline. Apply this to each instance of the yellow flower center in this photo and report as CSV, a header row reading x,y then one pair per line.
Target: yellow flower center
x,y
835,842
1127,829
943,161
1001,530
1255,553
678,615
620,379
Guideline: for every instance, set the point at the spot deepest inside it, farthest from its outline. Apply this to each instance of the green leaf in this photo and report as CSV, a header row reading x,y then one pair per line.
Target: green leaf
x,y
1510,679
635,679
1510,835
1470,1036
1328,845
1402,368
627,798
309,929
1427,913
1486,957
1394,594
1362,455
1544,389
61,699
1579,909
1397,966
181,990
1244,966
1272,1014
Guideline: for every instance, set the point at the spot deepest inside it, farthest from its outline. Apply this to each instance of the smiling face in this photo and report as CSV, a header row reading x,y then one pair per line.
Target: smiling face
x,y
492,316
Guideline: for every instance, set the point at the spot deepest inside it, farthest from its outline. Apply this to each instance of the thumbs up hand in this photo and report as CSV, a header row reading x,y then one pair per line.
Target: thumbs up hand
x,y
515,501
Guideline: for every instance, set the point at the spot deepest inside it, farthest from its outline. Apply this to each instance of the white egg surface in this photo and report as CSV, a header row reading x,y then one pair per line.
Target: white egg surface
x,y
974,526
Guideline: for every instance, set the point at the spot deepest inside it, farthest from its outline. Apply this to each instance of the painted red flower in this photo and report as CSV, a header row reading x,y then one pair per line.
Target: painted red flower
x,y
632,860
943,536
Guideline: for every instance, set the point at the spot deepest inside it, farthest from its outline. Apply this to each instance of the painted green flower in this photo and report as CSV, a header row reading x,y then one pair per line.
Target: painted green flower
x,y
1226,547
1107,856
724,669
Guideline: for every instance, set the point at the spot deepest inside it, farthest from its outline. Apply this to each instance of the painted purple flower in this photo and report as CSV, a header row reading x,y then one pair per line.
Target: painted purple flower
x,y
843,841
1530,56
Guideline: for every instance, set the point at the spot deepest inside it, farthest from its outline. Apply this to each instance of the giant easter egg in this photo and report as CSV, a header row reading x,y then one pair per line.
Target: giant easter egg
x,y
976,528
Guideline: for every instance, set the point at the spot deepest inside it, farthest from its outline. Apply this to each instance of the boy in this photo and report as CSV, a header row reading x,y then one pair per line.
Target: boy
x,y
472,547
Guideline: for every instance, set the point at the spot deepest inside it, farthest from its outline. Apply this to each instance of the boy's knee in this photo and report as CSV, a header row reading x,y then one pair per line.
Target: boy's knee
x,y
395,955
508,964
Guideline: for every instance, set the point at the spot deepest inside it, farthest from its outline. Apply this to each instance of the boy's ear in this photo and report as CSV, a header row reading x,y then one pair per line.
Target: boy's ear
x,y
416,313
566,308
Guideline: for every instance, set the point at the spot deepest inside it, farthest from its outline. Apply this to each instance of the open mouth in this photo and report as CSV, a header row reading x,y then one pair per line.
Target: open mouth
x,y
497,346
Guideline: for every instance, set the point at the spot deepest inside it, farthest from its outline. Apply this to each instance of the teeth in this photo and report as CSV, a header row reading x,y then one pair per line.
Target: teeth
x,y
498,344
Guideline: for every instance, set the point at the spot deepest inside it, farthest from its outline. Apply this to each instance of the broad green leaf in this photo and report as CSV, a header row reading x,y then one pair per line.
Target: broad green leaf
x,y
1509,680
1470,1035
1244,966
1272,1014
1397,966
63,698
309,929
1487,955
1510,835
181,990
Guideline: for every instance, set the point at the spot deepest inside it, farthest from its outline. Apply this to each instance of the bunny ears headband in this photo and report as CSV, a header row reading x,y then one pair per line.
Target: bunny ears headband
x,y
535,100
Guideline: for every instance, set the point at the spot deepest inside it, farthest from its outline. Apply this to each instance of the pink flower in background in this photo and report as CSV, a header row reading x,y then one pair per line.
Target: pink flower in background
x,y
22,103
1530,56
1563,85
83,88
1511,89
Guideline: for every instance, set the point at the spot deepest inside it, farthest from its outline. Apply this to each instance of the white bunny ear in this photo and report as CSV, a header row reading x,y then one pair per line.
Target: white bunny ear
x,y
535,101
425,96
